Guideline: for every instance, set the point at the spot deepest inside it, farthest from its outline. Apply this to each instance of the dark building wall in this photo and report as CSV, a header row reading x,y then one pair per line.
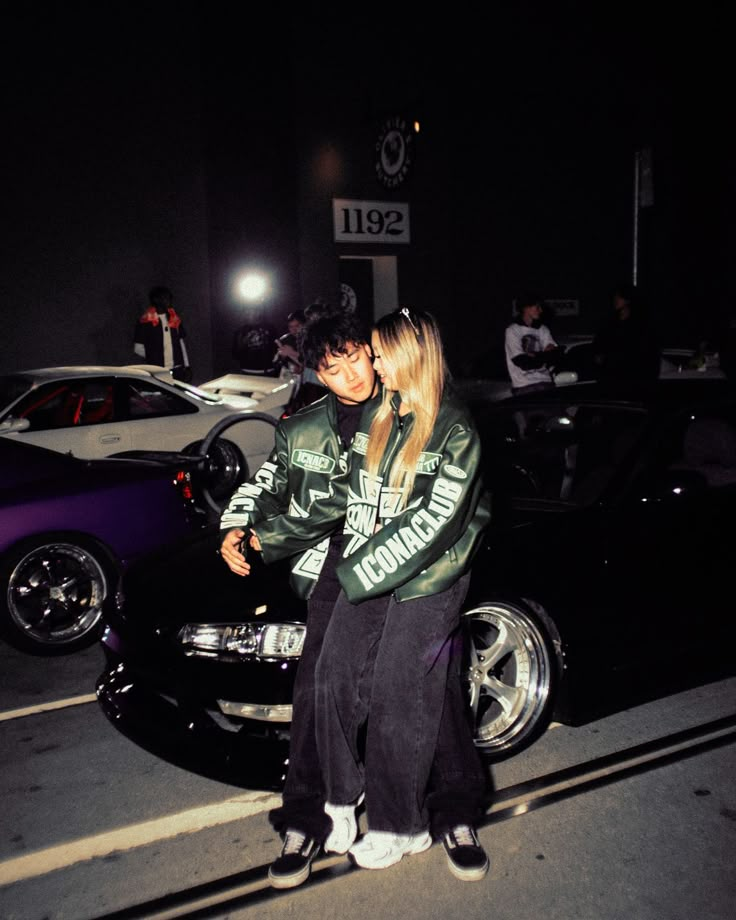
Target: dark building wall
x,y
104,183
523,170
184,150
251,173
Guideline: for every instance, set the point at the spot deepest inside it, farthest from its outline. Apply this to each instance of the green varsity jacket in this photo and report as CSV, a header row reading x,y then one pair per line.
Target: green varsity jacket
x,y
426,545
297,498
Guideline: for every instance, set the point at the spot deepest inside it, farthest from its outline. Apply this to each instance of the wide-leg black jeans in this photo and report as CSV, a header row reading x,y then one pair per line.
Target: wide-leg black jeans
x,y
383,674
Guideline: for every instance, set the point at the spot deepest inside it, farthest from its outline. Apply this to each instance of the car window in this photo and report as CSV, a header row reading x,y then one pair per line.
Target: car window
x,y
563,453
705,443
12,387
68,403
141,399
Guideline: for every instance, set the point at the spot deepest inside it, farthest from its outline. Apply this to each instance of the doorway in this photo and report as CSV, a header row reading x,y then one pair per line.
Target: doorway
x,y
369,285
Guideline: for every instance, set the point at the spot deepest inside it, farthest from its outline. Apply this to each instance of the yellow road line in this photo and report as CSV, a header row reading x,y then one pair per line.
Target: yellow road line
x,y
47,707
135,835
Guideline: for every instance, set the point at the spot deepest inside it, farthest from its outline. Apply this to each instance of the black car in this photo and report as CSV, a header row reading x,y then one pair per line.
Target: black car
x,y
604,580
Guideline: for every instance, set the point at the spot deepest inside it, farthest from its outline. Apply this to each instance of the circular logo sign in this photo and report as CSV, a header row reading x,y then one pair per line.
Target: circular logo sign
x,y
394,151
348,298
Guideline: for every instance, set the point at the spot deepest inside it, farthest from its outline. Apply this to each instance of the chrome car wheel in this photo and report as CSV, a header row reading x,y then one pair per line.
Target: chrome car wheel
x,y
511,669
54,594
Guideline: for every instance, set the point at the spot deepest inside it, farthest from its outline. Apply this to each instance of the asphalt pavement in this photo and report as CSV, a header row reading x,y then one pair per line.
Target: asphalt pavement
x,y
633,816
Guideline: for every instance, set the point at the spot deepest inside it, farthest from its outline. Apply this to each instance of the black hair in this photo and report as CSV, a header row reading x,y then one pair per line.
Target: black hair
x,y
296,315
316,309
329,333
159,291
527,299
626,292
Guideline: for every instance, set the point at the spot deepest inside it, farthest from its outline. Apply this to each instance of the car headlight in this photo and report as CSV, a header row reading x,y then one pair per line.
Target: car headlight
x,y
264,640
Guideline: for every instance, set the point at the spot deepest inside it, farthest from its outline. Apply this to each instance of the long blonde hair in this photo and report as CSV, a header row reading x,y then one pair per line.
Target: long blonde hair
x,y
411,352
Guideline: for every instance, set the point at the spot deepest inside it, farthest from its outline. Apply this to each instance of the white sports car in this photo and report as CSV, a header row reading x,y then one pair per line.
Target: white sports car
x,y
93,412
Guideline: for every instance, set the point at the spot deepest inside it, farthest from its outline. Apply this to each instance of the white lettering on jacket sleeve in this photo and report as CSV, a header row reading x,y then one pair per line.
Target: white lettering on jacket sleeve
x,y
409,540
244,501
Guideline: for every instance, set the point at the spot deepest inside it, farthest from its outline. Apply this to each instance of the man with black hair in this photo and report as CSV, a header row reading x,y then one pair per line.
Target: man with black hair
x,y
293,507
625,346
531,351
159,335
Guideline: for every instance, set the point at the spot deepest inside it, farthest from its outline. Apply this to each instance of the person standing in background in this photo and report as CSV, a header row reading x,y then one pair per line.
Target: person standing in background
x,y
626,347
531,351
159,335
309,387
287,353
253,344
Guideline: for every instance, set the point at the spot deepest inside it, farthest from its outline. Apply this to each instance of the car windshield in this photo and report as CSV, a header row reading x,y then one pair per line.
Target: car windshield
x,y
565,453
12,387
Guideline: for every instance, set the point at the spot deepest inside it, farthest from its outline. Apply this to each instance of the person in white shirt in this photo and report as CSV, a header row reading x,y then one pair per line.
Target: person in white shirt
x,y
531,351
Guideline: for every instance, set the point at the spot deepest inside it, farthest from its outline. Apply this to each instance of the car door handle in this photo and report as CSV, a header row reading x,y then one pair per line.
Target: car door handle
x,y
109,439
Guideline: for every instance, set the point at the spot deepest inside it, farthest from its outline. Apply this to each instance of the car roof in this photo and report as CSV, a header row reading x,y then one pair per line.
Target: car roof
x,y
94,370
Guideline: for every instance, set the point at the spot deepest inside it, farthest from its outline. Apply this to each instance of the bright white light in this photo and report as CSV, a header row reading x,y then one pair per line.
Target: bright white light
x,y
252,287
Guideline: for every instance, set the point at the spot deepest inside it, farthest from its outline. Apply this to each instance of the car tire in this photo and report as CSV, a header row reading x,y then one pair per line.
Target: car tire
x,y
224,469
512,667
53,592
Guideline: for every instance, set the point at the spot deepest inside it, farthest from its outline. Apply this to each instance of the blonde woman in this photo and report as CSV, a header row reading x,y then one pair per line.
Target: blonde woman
x,y
415,512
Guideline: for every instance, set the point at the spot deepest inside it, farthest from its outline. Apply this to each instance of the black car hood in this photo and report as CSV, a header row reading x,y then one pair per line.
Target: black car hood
x,y
194,585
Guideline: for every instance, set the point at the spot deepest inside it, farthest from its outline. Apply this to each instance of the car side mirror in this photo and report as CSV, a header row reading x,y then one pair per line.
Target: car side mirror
x,y
14,424
565,378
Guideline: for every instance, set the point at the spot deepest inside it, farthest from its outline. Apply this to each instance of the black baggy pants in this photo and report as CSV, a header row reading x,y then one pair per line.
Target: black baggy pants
x,y
458,780
391,670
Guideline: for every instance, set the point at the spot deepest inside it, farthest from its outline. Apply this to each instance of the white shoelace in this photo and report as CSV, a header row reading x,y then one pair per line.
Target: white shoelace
x,y
464,836
293,842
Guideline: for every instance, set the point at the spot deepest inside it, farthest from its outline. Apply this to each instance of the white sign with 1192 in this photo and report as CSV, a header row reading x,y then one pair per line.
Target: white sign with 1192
x,y
370,221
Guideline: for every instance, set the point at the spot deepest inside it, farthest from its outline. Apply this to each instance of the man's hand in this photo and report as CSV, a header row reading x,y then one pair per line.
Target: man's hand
x,y
231,552
254,542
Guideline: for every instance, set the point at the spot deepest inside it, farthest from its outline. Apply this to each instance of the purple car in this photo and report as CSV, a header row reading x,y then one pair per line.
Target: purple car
x,y
68,530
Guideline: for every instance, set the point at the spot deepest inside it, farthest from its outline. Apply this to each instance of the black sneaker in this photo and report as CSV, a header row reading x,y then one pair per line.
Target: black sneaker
x,y
295,863
465,856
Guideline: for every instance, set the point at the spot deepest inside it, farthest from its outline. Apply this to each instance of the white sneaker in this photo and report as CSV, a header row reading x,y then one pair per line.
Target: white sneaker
x,y
344,826
380,849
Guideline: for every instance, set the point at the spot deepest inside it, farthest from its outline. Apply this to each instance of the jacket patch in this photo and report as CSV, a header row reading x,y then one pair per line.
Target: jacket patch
x,y
360,442
361,512
409,540
310,460
309,565
428,463
449,470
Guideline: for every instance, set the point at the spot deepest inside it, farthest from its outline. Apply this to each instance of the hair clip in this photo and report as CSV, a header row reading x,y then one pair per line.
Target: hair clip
x,y
404,311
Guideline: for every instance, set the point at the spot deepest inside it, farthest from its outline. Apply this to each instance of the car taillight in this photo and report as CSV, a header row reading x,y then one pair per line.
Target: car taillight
x,y
184,481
